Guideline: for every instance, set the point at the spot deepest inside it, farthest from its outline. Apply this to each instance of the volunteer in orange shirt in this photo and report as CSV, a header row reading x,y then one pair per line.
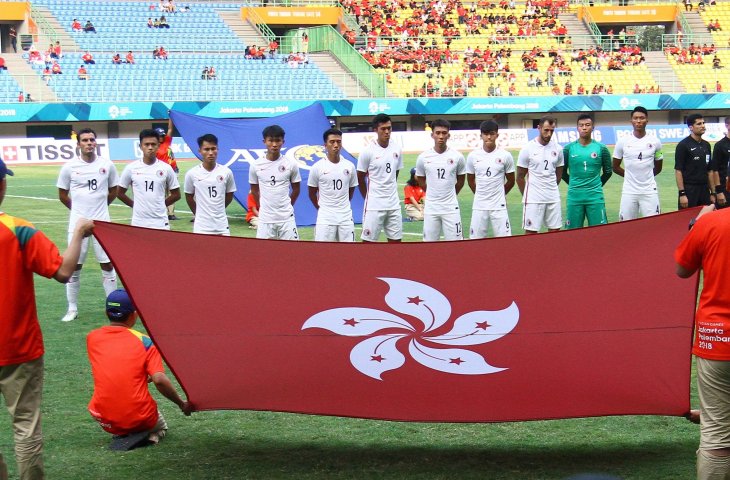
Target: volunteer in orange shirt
x,y
414,197
164,153
122,360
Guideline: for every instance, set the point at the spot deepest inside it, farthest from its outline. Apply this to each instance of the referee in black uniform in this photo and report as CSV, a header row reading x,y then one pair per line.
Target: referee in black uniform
x,y
694,169
721,157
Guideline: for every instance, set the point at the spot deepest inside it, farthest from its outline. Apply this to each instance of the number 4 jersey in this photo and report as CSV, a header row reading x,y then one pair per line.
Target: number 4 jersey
x,y
88,184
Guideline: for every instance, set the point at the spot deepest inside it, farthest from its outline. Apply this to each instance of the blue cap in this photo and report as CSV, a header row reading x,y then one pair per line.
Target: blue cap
x,y
118,304
160,131
413,171
4,170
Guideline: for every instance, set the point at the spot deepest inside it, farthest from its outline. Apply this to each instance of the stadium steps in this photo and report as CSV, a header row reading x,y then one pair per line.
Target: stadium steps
x,y
575,27
695,21
339,75
67,41
29,81
243,30
663,72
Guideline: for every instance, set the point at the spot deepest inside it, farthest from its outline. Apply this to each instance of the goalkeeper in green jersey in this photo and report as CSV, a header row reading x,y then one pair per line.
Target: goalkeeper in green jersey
x,y
587,169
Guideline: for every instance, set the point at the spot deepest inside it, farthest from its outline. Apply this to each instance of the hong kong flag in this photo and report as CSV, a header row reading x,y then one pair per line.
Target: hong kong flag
x,y
580,323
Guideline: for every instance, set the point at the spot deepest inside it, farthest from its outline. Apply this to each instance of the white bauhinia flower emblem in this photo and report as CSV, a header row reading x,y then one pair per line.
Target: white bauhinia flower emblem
x,y
379,353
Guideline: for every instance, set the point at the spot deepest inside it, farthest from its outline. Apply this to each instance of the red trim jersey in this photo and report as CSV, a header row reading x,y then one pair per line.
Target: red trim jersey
x,y
121,361
23,251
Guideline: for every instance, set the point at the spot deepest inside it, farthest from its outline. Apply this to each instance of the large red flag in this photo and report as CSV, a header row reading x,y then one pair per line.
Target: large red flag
x,y
572,324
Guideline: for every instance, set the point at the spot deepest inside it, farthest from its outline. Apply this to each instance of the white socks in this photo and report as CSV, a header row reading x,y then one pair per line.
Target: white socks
x,y
109,280
72,290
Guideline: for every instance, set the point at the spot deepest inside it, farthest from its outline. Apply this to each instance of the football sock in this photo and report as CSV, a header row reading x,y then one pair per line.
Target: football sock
x,y
72,290
109,280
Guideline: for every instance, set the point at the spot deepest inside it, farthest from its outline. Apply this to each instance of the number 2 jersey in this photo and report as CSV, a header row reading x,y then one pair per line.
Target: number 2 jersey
x,y
381,165
639,155
541,162
88,184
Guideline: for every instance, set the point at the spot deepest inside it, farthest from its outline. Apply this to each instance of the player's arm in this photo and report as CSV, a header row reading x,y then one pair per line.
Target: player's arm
x,y
173,197
605,165
164,386
566,174
509,182
361,178
229,198
460,182
295,190
70,260
352,192
617,168
64,197
658,166
471,179
123,197
111,195
521,179
558,174
256,193
679,178
314,196
190,200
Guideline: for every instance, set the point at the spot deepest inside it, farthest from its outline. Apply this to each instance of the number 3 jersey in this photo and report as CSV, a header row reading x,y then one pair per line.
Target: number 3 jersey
x,y
489,170
149,183
274,179
541,162
440,170
210,190
88,184
381,165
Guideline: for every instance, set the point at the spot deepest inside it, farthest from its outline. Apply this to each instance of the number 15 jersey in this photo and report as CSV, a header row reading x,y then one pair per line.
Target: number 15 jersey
x,y
209,189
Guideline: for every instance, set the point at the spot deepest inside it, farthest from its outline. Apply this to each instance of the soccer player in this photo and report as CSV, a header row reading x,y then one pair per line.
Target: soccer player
x,y
642,158
275,184
332,183
87,184
441,172
164,153
490,173
209,189
542,158
377,172
24,250
694,168
150,179
721,157
122,360
587,169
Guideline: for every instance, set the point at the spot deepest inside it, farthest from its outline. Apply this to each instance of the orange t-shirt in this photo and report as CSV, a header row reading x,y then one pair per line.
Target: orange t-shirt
x,y
163,152
250,204
121,360
705,247
23,251
416,192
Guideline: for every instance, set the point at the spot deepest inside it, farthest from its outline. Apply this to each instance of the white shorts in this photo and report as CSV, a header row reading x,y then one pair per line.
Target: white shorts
x,y
278,231
448,223
535,215
635,205
375,221
335,233
481,220
101,255
225,233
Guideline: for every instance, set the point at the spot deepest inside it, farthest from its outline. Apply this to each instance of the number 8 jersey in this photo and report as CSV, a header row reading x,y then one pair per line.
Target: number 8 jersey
x,y
381,165
88,184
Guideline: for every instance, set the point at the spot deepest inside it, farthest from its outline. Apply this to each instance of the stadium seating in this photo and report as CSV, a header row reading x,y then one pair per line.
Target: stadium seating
x,y
9,88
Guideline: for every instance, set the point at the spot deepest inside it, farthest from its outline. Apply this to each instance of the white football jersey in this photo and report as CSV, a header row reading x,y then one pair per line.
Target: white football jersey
x,y
489,170
88,184
274,179
334,181
149,183
209,189
638,156
440,170
381,165
541,161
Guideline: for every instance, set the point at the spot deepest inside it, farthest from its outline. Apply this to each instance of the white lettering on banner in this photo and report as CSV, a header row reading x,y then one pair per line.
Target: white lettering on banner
x,y
20,150
565,137
8,112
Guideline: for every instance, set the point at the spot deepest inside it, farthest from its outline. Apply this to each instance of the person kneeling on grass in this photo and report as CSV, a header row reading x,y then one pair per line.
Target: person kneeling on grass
x,y
122,360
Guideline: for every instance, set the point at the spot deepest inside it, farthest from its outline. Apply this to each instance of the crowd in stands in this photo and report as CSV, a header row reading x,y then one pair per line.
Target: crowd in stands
x,y
160,53
208,73
694,54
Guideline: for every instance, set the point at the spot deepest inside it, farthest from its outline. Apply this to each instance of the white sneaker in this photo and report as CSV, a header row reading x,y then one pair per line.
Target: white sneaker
x,y
70,315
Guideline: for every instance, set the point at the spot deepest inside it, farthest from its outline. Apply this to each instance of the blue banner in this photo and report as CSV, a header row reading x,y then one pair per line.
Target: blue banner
x,y
240,143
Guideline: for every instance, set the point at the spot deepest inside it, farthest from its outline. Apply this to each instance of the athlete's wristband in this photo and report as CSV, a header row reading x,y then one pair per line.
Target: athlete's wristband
x,y
682,193
719,189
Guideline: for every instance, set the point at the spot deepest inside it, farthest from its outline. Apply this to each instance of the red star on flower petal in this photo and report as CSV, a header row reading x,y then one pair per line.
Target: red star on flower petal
x,y
349,321
416,300
377,358
456,360
482,325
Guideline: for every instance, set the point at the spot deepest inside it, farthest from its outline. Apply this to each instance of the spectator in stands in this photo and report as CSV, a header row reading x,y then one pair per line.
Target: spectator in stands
x,y
47,75
204,74
716,63
701,6
89,27
76,26
687,5
2,64
117,59
185,9
212,73
13,34
82,73
273,47
718,86
57,54
21,97
512,90
88,58
159,53
163,22
150,23
56,69
130,57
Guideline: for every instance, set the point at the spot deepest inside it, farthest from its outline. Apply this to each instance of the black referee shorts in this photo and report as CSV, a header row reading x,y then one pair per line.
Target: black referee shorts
x,y
696,195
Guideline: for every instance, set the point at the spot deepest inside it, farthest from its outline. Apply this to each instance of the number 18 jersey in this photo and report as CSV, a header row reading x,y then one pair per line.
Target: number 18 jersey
x,y
88,184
